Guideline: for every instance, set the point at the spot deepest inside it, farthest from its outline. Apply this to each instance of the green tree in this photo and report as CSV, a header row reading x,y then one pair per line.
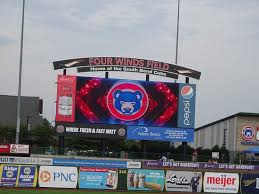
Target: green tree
x,y
224,154
8,133
43,135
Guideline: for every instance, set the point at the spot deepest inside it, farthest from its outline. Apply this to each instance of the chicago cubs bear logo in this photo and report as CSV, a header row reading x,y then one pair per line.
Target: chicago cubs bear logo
x,y
127,101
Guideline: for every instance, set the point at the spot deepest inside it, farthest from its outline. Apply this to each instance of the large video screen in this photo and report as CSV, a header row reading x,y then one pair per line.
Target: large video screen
x,y
133,103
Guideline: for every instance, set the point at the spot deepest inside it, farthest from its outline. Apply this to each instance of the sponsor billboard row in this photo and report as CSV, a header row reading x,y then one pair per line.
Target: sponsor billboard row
x,y
127,179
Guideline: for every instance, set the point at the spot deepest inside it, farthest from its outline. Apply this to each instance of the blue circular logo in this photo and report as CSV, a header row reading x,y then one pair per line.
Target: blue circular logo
x,y
248,133
187,92
127,101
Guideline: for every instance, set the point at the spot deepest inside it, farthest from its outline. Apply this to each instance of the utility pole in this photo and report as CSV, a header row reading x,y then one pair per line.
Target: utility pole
x,y
18,123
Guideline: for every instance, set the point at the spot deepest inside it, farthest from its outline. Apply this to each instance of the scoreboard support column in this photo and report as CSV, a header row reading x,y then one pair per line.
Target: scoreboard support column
x,y
61,139
184,144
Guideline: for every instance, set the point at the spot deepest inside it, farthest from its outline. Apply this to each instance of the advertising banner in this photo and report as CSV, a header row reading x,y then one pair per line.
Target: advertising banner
x,y
90,163
250,183
128,69
221,182
186,118
9,175
129,102
14,149
147,180
98,178
58,177
159,164
66,91
127,65
222,166
19,149
45,161
27,176
160,134
133,164
183,181
18,160
4,148
18,175
91,130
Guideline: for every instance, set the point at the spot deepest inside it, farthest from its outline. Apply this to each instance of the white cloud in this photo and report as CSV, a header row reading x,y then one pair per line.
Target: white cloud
x,y
218,38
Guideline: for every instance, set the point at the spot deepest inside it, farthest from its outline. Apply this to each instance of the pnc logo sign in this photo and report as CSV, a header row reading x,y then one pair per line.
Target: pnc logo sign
x,y
65,177
58,177
45,176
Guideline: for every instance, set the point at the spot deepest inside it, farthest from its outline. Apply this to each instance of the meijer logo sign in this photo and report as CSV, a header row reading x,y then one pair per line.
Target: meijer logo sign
x,y
221,182
58,176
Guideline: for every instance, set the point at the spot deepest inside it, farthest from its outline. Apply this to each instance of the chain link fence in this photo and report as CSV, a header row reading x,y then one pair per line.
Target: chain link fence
x,y
231,157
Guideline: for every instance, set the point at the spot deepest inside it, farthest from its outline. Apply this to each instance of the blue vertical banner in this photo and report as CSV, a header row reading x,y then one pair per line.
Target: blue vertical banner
x,y
27,176
250,183
9,175
186,112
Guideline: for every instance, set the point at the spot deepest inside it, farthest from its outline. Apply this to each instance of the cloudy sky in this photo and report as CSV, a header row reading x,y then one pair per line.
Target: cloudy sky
x,y
220,38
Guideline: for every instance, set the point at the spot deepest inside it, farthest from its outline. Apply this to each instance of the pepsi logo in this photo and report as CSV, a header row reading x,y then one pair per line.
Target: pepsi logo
x,y
248,133
127,100
187,92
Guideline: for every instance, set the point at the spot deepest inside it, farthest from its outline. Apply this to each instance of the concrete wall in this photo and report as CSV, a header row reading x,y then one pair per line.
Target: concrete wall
x,y
213,135
29,108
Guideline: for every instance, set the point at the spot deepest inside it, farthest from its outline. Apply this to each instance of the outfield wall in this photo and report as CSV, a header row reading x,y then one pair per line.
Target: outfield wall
x,y
127,175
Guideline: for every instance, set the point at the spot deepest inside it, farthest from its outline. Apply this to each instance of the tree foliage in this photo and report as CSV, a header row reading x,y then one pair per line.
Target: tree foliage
x,y
42,135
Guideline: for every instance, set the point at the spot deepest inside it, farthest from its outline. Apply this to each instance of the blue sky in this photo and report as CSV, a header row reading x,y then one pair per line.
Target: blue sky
x,y
220,38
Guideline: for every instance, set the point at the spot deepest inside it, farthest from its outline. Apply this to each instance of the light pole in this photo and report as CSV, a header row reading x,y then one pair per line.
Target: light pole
x,y
177,33
20,82
184,144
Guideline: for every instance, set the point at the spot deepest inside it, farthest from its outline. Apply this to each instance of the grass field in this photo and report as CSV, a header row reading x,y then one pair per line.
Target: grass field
x,y
25,191
62,191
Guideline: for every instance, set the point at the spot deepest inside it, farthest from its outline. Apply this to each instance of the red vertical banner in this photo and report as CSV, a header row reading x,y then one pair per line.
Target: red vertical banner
x,y
4,148
66,93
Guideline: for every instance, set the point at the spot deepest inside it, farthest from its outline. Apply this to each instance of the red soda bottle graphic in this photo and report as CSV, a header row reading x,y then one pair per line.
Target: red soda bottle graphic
x,y
65,102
